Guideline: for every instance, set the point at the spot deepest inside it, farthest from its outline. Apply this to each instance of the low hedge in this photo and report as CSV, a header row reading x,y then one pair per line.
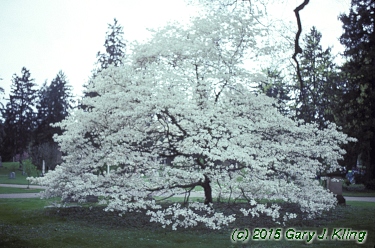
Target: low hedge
x,y
370,184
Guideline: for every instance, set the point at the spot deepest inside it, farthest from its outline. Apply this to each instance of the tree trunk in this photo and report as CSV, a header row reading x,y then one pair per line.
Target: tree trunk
x,y
207,190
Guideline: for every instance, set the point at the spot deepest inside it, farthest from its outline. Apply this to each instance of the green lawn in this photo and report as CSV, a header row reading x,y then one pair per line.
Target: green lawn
x,y
359,194
26,223
9,190
9,167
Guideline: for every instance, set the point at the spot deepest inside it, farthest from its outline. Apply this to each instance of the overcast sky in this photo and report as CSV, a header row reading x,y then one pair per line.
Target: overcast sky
x,y
46,36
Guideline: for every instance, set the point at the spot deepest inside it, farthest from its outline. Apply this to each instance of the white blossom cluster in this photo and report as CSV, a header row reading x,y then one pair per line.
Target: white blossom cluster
x,y
186,217
180,113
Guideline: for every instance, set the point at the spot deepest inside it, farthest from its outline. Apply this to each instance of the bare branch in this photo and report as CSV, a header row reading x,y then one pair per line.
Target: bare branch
x,y
297,48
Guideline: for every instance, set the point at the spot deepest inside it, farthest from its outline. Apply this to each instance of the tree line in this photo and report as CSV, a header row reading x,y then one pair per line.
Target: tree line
x,y
26,127
28,115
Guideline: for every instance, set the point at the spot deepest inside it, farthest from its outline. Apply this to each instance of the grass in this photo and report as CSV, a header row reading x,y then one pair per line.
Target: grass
x,y
9,167
9,190
26,223
198,188
359,194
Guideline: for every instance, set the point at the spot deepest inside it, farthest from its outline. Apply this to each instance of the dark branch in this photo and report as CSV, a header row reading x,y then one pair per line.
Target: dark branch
x,y
174,121
182,186
297,48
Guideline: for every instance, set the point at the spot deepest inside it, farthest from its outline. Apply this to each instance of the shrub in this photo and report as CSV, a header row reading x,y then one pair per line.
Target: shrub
x,y
30,169
370,184
355,187
346,182
359,179
13,167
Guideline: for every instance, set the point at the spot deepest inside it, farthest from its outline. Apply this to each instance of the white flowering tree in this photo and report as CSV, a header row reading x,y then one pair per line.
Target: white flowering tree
x,y
179,114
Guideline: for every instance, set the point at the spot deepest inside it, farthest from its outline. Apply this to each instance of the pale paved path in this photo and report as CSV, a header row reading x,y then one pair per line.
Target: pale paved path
x,y
21,195
192,194
364,199
21,186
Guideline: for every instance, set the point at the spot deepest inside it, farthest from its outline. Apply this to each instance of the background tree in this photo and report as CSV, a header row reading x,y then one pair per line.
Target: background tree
x,y
114,54
358,107
19,115
30,170
43,108
1,93
322,85
186,96
2,133
55,102
277,87
115,47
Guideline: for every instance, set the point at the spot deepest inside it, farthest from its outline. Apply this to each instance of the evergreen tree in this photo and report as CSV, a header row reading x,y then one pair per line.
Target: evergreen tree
x,y
2,137
114,47
19,114
277,88
359,41
1,92
2,134
55,101
321,82
42,114
114,54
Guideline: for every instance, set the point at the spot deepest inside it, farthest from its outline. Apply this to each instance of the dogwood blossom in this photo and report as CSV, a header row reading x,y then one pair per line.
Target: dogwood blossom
x,y
180,113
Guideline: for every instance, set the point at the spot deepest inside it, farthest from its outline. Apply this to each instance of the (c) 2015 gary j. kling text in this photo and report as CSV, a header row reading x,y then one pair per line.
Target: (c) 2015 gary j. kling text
x,y
292,234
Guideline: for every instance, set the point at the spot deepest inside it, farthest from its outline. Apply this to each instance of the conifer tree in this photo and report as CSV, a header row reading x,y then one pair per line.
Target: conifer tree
x,y
359,101
55,101
321,82
2,133
114,54
19,114
114,47
276,87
